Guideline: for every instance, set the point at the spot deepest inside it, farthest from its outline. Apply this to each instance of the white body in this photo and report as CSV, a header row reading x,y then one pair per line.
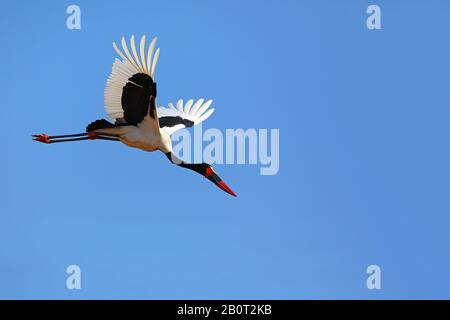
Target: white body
x,y
145,136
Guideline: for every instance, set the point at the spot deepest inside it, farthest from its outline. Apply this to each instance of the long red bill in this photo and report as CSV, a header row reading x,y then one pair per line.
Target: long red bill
x,y
222,185
211,175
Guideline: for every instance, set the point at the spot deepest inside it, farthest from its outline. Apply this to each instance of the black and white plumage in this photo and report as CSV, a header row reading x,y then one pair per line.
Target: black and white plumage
x,y
130,101
130,86
185,115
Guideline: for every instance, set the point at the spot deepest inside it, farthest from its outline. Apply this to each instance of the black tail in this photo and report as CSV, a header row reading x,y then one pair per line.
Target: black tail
x,y
99,124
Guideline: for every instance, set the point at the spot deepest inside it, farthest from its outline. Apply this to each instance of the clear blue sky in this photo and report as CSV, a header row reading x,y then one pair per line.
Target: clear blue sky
x,y
364,157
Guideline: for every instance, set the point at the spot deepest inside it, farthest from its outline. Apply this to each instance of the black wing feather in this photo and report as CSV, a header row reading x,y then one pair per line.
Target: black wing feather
x,y
99,124
173,121
136,97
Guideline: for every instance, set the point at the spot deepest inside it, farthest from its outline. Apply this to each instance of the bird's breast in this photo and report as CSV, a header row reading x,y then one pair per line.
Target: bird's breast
x,y
142,139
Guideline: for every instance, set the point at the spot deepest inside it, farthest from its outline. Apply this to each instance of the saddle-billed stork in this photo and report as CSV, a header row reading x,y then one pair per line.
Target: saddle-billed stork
x,y
130,100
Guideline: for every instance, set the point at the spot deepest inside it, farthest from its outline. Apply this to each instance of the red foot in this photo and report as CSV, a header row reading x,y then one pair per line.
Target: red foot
x,y
44,138
92,135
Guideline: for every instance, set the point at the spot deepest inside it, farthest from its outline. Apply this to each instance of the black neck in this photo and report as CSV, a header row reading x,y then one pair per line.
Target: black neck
x,y
197,167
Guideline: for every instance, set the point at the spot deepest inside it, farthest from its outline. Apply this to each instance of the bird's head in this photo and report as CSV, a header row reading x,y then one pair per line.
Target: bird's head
x,y
202,168
208,172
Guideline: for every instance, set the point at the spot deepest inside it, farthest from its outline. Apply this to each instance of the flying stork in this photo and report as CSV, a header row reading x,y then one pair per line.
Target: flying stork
x,y
130,100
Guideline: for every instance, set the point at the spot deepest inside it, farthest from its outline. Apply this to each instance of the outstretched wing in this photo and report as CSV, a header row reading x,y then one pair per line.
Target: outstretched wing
x,y
186,115
130,87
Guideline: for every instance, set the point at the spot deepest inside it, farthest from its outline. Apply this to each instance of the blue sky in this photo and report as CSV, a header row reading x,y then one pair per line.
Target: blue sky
x,y
364,175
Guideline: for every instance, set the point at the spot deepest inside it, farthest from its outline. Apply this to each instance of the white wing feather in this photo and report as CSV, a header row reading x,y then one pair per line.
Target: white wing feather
x,y
151,47
122,70
196,112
